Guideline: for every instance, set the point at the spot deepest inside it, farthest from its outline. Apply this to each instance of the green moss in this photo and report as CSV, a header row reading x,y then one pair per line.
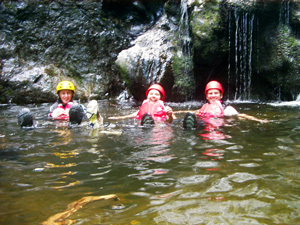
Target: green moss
x,y
124,73
50,71
7,4
207,29
183,75
282,70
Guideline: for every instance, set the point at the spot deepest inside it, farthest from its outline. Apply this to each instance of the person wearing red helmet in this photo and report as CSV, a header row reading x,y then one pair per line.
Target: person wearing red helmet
x,y
154,104
214,94
214,107
153,108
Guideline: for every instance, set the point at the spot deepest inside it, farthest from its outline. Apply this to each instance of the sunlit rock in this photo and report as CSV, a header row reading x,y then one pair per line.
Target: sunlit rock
x,y
148,60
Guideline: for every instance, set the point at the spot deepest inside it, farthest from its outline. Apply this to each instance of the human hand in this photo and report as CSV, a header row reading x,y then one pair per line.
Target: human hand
x,y
168,110
58,112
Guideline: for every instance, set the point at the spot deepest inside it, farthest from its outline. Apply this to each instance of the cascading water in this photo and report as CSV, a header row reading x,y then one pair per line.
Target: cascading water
x,y
298,98
284,23
241,25
229,53
184,29
244,48
184,57
284,17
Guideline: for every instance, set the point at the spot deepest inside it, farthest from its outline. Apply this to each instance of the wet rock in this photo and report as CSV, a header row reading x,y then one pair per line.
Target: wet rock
x,y
181,44
81,39
148,60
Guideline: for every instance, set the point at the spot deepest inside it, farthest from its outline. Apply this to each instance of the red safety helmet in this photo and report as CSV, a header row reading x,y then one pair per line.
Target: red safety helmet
x,y
158,88
213,85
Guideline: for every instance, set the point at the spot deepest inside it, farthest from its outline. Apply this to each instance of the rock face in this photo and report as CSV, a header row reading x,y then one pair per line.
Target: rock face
x,y
250,46
159,56
42,42
118,48
148,60
151,60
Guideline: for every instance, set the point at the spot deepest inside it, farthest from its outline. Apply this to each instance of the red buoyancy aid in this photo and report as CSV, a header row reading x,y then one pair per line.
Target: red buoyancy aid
x,y
155,109
64,115
211,110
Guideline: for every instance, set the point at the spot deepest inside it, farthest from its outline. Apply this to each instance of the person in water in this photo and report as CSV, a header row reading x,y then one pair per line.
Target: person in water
x,y
152,109
214,107
65,108
60,109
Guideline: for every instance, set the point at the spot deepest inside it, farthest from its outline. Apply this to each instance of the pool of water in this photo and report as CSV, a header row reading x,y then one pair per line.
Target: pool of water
x,y
235,172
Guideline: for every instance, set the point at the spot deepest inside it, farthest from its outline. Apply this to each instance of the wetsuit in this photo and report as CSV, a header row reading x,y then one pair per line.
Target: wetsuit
x,y
155,109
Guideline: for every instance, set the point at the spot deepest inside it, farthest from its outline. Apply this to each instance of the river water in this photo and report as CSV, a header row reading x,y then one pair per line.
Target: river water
x,y
240,172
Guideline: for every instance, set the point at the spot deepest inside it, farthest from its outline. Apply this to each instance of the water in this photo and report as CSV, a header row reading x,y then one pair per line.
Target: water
x,y
245,27
284,16
184,29
243,172
240,42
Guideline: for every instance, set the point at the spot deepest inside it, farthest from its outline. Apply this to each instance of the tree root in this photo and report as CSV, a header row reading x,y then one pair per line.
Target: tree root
x,y
61,218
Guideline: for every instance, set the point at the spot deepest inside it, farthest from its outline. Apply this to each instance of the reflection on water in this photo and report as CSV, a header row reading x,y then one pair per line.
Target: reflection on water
x,y
212,128
229,171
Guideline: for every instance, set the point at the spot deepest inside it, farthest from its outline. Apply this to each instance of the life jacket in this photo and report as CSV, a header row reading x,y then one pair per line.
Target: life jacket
x,y
211,110
61,106
155,109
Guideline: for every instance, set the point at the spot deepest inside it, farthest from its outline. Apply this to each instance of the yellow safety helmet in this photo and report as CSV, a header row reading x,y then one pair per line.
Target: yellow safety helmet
x,y
65,85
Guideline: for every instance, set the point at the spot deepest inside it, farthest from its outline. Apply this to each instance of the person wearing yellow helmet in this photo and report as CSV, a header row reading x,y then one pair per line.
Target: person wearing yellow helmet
x,y
65,91
66,109
59,110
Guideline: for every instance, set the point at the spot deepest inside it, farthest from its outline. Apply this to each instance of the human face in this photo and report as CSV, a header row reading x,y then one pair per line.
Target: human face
x,y
153,95
65,96
213,95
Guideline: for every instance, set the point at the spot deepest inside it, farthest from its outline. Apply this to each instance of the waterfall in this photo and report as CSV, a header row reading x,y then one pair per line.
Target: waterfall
x,y
284,16
241,25
284,20
184,29
236,17
250,42
185,80
229,54
298,98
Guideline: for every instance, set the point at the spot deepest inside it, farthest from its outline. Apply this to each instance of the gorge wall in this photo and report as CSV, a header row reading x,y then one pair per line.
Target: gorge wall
x,y
115,49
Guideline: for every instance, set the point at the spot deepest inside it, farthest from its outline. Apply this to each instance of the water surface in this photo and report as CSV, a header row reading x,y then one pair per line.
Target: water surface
x,y
242,172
